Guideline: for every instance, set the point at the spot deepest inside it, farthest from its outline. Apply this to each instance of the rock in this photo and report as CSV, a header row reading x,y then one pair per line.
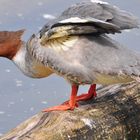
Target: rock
x,y
114,115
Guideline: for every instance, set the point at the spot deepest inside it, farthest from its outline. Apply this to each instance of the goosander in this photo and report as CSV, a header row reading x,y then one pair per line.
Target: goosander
x,y
76,47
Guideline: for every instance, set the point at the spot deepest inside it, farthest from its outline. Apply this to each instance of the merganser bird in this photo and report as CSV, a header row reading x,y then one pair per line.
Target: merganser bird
x,y
76,46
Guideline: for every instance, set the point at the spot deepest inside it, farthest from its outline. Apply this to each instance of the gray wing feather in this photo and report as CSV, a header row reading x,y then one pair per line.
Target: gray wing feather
x,y
99,19
78,27
105,12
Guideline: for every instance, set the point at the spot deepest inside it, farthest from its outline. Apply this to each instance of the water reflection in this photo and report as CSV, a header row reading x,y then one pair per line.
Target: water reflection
x,y
20,96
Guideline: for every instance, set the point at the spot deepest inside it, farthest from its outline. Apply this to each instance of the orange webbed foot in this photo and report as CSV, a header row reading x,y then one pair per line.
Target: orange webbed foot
x,y
72,103
63,107
68,106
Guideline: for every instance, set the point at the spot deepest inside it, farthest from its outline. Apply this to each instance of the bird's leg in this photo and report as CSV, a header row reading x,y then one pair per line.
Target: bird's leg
x,y
91,94
70,105
72,101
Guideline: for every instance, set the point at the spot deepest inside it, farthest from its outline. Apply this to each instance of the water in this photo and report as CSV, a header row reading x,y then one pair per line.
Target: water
x,y
20,96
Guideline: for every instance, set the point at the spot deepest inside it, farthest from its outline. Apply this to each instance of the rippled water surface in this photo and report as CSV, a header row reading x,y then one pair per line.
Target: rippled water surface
x,y
20,96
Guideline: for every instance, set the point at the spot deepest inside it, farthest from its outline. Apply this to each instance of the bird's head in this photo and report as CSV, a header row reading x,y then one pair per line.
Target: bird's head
x,y
10,43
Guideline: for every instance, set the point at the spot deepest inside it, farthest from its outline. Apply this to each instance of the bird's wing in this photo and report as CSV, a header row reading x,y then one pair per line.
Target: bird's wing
x,y
102,11
89,18
79,26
